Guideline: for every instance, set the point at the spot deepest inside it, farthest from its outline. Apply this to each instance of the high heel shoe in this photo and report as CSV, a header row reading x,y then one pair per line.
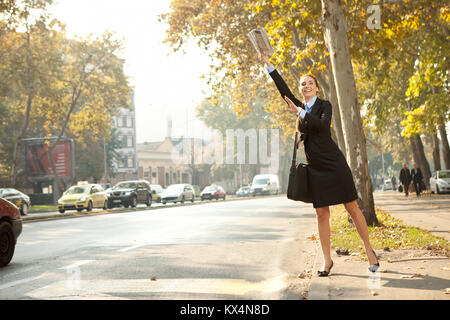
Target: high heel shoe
x,y
325,273
374,267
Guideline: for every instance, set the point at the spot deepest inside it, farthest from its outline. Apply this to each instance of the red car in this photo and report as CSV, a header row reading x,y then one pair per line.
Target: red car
x,y
213,192
10,229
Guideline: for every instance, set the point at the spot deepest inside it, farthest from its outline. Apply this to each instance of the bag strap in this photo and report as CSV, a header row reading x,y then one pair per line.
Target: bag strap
x,y
294,156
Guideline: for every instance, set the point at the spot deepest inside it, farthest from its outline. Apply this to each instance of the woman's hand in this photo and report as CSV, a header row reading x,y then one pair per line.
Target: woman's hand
x,y
293,108
265,59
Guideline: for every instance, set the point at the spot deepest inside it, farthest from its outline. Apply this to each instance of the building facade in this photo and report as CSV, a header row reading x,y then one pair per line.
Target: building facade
x,y
158,166
125,124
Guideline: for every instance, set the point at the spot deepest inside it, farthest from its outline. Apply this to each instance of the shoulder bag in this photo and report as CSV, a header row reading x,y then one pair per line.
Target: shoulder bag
x,y
298,186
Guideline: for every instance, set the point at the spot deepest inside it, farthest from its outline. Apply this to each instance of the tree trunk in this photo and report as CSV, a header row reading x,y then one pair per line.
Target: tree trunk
x,y
415,151
59,185
420,159
333,22
30,92
445,146
337,123
436,153
19,143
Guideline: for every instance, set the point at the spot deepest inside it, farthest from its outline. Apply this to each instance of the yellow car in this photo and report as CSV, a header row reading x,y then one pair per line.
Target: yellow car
x,y
85,196
157,191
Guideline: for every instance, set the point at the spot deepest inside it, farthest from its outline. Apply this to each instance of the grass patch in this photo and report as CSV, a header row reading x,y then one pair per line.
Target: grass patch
x,y
43,208
390,232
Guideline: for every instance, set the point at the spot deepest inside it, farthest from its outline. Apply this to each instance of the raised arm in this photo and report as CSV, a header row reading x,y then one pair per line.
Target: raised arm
x,y
283,88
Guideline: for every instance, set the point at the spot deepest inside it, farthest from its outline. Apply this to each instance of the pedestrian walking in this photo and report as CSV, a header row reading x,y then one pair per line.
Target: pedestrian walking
x,y
330,178
405,179
416,176
394,182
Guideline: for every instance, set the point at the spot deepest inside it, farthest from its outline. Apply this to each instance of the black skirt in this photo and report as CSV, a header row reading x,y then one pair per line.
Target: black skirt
x,y
331,180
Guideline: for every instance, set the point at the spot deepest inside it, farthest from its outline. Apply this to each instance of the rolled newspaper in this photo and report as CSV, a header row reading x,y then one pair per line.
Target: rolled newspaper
x,y
258,37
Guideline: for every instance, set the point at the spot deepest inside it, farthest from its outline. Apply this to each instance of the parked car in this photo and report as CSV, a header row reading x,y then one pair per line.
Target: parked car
x,y
130,193
157,192
440,181
178,193
265,184
387,185
196,191
21,200
83,196
10,229
243,192
213,192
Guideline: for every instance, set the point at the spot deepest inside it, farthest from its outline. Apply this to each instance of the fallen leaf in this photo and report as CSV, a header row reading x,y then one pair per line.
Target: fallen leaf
x,y
445,268
374,293
313,237
447,291
153,278
410,276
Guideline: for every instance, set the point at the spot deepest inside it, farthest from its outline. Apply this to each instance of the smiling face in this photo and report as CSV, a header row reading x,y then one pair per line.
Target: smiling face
x,y
308,87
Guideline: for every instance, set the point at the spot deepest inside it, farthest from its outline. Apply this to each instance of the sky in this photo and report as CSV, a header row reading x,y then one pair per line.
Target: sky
x,y
166,84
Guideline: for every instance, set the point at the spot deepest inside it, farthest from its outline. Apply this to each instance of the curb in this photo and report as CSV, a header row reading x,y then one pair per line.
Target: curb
x,y
54,216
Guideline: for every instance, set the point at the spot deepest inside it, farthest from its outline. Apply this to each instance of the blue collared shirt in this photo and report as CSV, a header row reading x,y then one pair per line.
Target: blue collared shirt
x,y
308,107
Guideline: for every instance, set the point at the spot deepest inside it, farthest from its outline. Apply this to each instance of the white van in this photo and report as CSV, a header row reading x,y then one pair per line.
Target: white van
x,y
265,184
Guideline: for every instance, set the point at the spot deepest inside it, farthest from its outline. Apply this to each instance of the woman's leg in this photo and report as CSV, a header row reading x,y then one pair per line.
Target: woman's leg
x,y
323,221
361,226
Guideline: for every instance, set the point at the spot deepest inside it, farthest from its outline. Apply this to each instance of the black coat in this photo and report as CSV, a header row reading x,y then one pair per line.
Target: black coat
x,y
416,175
405,176
330,178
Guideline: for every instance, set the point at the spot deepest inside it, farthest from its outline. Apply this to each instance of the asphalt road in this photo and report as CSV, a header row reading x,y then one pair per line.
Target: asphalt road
x,y
247,249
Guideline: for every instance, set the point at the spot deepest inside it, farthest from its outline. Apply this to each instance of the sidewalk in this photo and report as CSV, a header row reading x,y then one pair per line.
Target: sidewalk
x,y
403,274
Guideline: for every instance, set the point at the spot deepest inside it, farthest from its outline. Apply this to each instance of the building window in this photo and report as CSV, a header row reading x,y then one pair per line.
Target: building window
x,y
124,162
175,178
124,121
130,162
124,141
167,179
129,122
129,141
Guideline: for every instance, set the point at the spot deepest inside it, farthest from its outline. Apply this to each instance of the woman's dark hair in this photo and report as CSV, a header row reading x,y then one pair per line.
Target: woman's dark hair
x,y
311,76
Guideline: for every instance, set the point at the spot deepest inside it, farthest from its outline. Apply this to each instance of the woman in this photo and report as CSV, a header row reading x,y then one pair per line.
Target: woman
x,y
330,178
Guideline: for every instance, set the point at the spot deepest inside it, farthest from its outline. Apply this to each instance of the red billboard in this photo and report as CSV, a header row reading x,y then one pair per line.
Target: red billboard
x,y
38,164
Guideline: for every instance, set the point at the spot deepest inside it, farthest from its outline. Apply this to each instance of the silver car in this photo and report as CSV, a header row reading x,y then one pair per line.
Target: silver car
x,y
178,193
440,181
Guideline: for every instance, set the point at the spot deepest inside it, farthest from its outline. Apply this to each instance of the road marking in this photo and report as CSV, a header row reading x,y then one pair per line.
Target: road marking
x,y
76,264
18,271
15,283
130,248
115,287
